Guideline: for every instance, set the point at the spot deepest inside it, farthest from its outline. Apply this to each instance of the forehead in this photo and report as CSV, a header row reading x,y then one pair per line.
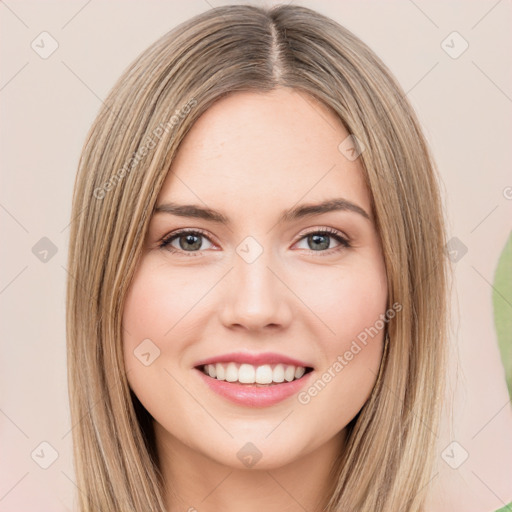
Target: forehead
x,y
253,150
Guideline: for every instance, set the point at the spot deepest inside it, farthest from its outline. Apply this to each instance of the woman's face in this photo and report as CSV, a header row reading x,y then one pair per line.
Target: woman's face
x,y
267,286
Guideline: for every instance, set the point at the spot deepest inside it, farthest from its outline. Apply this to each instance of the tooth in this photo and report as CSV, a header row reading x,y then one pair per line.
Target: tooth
x,y
221,373
249,374
299,372
231,372
246,374
278,373
264,374
289,373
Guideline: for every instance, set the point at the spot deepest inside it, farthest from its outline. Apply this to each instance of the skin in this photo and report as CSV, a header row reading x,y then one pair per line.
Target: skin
x,y
252,156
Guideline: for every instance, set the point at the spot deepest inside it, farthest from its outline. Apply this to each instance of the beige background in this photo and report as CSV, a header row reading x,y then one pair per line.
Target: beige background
x,y
47,106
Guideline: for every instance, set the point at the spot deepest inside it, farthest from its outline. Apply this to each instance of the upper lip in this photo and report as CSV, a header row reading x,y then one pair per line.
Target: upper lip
x,y
254,359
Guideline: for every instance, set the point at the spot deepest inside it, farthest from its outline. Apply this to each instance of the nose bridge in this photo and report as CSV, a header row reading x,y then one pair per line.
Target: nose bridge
x,y
254,278
254,296
256,286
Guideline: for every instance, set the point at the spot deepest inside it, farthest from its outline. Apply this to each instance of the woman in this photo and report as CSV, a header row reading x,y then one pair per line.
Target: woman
x,y
256,317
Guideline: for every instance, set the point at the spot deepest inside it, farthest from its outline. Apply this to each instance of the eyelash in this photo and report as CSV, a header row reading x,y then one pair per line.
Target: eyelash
x,y
166,241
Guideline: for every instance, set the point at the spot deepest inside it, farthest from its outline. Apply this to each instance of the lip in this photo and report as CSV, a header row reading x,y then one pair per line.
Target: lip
x,y
254,359
251,395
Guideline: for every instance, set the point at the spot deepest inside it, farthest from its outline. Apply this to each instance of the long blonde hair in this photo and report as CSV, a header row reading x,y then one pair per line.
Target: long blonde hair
x,y
390,448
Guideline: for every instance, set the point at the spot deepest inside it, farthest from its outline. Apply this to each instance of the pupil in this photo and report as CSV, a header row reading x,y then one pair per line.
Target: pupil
x,y
318,240
190,240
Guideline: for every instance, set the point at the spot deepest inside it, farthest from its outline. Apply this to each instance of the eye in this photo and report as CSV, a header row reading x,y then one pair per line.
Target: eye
x,y
187,241
320,240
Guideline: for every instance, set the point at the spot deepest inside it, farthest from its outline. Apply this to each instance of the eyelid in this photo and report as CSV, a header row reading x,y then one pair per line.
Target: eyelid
x,y
323,229
343,239
166,239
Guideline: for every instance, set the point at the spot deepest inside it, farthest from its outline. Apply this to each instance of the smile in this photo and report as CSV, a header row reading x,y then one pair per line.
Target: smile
x,y
250,374
261,390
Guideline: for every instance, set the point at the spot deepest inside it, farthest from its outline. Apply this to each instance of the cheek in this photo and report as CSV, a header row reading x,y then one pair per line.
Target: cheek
x,y
152,313
158,319
348,300
154,306
352,306
157,303
362,300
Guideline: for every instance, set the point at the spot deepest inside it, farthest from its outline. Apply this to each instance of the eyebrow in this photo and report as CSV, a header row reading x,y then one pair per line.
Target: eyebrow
x,y
295,213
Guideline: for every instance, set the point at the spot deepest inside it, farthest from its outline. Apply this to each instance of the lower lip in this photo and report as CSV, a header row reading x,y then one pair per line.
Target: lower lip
x,y
252,395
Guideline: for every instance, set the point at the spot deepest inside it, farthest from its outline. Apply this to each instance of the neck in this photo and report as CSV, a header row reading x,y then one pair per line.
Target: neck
x,y
197,483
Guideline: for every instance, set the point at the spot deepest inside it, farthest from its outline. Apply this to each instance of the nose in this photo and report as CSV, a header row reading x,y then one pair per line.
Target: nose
x,y
255,297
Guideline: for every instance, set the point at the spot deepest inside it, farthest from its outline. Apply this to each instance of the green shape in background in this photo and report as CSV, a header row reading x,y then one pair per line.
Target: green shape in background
x,y
502,301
